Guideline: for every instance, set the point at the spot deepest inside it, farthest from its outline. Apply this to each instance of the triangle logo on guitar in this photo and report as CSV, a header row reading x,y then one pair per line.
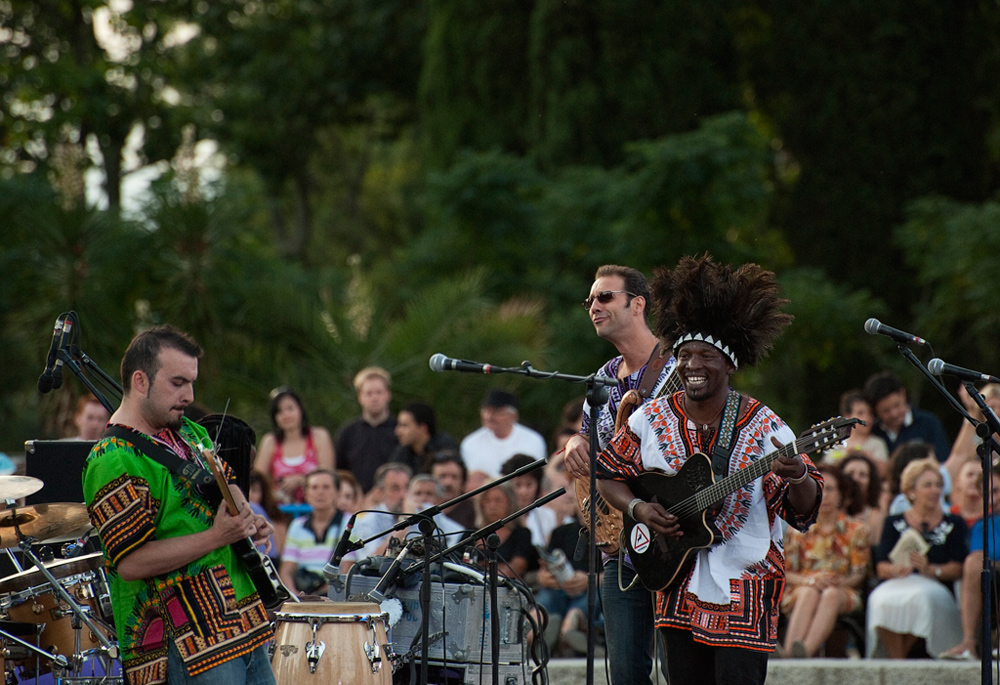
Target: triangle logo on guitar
x,y
661,562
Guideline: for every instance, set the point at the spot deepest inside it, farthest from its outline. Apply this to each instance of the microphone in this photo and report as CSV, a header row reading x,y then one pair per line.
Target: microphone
x,y
376,593
938,367
45,380
332,567
440,363
876,327
57,376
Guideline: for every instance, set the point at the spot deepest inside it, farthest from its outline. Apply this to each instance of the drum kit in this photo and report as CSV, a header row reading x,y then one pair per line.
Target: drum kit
x,y
56,623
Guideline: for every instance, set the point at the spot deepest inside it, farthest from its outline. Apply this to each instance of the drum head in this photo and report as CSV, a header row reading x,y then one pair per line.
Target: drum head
x,y
62,568
352,609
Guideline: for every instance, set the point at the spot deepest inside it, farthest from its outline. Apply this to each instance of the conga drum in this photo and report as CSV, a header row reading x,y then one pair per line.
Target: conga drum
x,y
330,643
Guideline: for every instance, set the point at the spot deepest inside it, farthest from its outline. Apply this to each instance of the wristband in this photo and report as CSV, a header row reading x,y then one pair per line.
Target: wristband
x,y
802,478
632,505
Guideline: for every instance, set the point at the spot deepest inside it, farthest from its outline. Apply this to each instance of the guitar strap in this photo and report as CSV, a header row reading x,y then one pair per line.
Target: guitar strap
x,y
723,447
161,455
648,380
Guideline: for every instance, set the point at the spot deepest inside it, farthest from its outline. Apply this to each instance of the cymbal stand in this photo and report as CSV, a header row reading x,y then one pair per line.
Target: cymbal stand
x,y
59,661
107,648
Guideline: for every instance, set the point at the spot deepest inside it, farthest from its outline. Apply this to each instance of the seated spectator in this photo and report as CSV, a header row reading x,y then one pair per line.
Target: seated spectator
x,y
898,421
425,492
312,539
964,448
566,600
262,501
90,418
556,476
853,405
967,494
294,448
448,469
572,414
866,503
902,456
392,481
351,495
418,436
915,599
499,438
516,555
540,521
825,568
561,436
971,600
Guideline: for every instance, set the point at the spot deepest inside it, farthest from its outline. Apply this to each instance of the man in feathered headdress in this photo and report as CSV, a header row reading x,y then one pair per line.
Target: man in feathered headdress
x,y
720,619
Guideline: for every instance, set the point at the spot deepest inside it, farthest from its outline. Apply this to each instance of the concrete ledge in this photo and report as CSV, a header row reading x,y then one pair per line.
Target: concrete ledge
x,y
816,672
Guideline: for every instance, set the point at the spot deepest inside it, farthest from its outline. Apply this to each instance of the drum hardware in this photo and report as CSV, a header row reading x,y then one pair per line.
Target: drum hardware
x,y
106,647
372,650
48,520
315,649
59,661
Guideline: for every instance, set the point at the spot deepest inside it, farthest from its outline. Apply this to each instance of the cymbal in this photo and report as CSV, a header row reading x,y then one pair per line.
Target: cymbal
x,y
67,520
16,487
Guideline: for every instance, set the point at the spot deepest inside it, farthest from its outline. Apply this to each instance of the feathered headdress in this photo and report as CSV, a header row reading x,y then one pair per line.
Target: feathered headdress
x,y
737,311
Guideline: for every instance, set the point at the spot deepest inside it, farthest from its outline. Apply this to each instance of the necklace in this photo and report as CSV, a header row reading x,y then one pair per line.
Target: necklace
x,y
707,426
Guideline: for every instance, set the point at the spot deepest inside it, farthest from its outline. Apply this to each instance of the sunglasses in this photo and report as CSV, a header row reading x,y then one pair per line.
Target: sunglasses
x,y
604,297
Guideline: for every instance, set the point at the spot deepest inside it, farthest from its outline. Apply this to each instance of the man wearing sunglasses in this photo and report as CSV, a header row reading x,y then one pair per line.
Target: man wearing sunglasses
x,y
617,307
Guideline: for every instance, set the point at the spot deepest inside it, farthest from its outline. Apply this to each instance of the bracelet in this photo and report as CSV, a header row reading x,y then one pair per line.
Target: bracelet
x,y
632,505
802,478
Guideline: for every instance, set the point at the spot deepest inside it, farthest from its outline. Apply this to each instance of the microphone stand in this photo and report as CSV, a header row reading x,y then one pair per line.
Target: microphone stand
x,y
427,530
488,532
985,429
492,544
597,397
69,354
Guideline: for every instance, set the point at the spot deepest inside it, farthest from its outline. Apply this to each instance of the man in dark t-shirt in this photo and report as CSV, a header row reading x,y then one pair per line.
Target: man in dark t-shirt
x,y
368,441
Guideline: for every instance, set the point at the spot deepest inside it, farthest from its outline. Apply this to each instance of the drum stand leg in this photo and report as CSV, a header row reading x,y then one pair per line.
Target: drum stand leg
x,y
106,646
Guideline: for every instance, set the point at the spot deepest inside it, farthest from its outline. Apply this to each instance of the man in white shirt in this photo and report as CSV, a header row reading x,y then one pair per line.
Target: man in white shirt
x,y
501,436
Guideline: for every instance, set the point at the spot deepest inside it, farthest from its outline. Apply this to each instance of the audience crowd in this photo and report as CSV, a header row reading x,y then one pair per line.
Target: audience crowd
x,y
891,568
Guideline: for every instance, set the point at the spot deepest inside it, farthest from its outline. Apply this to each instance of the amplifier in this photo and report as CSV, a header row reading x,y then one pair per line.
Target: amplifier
x,y
462,608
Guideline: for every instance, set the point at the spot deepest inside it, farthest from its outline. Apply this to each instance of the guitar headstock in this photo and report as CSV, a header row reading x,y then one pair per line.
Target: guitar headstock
x,y
823,436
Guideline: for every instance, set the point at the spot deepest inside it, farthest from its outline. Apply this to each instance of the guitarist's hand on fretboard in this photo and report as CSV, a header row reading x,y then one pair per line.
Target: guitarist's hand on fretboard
x,y
787,466
229,528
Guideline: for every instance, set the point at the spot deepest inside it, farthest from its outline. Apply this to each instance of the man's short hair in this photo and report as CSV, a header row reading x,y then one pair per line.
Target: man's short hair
x,y
635,282
320,472
449,456
520,461
500,399
385,469
423,414
880,386
421,477
143,352
370,372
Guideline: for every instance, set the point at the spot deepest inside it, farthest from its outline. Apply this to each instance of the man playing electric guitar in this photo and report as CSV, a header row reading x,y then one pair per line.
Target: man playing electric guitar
x,y
719,623
618,306
185,607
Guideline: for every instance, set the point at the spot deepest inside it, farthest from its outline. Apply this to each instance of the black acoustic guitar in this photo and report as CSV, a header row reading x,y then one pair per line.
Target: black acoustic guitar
x,y
273,593
689,494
